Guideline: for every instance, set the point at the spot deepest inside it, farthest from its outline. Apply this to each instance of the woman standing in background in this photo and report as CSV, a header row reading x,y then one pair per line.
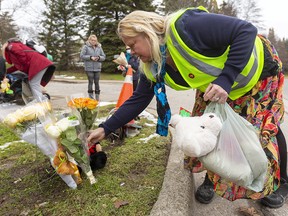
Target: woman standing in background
x,y
93,55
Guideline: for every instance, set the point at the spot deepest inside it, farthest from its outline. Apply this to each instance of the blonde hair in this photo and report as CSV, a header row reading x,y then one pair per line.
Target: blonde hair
x,y
91,37
152,26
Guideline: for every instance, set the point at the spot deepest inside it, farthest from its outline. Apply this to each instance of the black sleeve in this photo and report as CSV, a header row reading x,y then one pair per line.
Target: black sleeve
x,y
131,108
134,62
2,68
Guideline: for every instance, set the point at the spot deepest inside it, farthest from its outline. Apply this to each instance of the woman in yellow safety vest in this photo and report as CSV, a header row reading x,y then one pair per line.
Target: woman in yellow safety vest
x,y
226,61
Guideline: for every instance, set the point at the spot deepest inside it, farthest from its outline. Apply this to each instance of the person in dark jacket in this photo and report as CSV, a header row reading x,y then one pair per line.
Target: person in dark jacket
x,y
39,69
2,68
227,62
93,55
133,61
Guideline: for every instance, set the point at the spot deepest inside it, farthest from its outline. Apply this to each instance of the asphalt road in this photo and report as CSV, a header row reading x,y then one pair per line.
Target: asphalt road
x,y
60,89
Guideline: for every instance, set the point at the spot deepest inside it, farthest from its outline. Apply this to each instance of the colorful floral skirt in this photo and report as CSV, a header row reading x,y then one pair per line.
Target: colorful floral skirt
x,y
263,107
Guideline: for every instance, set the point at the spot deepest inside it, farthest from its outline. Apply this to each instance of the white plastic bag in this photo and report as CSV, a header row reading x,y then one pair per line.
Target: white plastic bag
x,y
37,136
238,155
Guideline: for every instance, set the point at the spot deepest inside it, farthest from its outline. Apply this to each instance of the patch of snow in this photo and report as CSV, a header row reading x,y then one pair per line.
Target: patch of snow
x,y
145,140
148,116
10,143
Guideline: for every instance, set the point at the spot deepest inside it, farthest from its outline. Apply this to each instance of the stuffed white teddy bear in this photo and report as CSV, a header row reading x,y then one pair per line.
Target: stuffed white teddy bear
x,y
196,136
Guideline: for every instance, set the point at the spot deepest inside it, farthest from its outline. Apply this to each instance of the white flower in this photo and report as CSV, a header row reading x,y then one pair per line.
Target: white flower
x,y
11,120
19,114
40,110
63,124
53,130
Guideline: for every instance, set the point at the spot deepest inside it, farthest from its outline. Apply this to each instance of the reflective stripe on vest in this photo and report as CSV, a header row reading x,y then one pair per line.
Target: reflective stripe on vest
x,y
198,70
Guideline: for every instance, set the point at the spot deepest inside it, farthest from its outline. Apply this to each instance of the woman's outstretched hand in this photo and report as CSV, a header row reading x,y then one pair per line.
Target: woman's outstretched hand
x,y
96,135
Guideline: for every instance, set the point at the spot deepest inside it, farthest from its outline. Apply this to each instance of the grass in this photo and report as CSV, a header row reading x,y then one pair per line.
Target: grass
x,y
132,178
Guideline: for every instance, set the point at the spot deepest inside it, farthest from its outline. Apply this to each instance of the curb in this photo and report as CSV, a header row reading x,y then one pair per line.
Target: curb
x,y
81,81
175,197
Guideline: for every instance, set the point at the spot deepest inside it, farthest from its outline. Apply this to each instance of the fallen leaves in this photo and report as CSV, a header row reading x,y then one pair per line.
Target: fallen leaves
x,y
120,203
249,211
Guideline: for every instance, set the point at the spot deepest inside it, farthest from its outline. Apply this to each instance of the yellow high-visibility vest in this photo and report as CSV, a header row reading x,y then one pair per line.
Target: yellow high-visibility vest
x,y
199,71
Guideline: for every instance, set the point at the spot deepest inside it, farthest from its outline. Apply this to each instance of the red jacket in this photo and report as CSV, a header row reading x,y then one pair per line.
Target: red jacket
x,y
29,61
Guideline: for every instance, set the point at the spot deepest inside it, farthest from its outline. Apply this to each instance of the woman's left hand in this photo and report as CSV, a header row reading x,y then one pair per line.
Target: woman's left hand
x,y
215,93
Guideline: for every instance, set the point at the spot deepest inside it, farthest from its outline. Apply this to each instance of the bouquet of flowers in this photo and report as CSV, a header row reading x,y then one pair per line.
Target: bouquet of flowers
x,y
86,108
22,118
70,140
121,60
28,123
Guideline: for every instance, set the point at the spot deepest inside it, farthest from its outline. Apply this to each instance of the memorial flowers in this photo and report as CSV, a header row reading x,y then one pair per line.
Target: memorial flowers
x,y
62,139
28,123
26,114
86,108
67,132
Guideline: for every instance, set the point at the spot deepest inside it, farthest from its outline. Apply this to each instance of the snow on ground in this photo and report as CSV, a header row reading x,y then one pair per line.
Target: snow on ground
x,y
146,139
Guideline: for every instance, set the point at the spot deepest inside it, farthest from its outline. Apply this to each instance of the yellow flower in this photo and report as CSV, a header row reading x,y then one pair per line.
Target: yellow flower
x,y
30,113
79,103
27,113
11,120
91,104
86,107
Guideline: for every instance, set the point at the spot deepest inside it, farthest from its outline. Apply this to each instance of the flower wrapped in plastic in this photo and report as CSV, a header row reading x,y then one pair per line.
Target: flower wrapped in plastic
x,y
121,60
28,122
67,131
21,119
86,109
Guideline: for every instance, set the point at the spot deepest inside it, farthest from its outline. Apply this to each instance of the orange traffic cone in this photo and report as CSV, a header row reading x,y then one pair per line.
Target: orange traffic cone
x,y
126,93
127,88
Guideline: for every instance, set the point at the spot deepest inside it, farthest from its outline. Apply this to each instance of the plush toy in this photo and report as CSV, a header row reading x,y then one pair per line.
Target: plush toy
x,y
5,86
196,136
98,158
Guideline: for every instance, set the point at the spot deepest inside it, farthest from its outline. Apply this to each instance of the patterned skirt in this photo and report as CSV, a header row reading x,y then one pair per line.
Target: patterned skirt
x,y
263,107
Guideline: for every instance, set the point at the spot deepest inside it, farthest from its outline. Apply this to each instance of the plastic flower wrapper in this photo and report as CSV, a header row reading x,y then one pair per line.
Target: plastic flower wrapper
x,y
85,108
23,118
121,60
49,147
68,133
27,123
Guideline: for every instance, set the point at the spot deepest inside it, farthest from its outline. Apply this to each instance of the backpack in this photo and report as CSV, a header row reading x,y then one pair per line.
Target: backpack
x,y
39,48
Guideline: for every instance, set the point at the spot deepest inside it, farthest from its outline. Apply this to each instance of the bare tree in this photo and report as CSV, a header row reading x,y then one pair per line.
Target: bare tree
x,y
8,9
12,6
173,5
8,28
228,8
248,10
